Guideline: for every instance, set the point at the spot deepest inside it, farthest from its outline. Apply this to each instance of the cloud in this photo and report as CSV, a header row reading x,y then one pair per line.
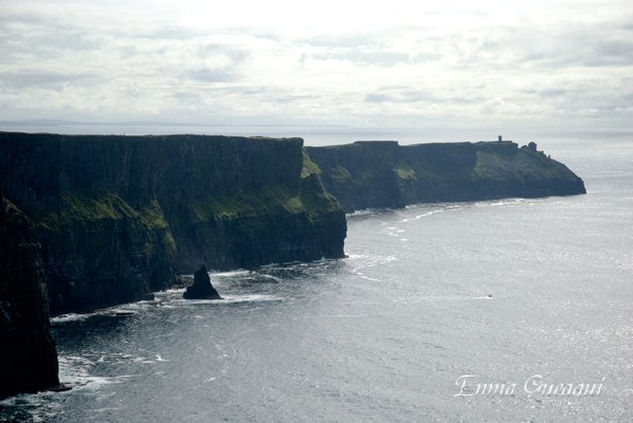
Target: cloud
x,y
389,95
400,63
545,92
378,98
211,75
612,52
25,78
235,54
380,58
401,96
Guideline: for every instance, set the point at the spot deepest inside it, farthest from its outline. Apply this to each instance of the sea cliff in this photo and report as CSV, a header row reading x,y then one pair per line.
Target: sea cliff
x,y
384,174
28,360
117,217
101,220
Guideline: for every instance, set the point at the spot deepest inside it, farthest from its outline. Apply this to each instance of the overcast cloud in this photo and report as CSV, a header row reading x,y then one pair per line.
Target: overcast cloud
x,y
451,64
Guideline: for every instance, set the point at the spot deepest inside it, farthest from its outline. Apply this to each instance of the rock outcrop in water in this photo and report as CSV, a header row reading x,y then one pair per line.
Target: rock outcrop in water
x,y
383,174
201,288
117,217
28,360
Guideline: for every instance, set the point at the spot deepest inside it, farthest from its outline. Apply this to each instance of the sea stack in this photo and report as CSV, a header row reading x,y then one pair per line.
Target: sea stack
x,y
201,288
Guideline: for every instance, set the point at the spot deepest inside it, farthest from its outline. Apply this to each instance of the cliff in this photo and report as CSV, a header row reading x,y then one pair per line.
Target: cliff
x,y
117,217
101,220
28,360
383,174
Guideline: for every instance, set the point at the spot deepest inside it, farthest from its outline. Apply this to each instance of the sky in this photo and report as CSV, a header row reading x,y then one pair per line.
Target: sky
x,y
432,66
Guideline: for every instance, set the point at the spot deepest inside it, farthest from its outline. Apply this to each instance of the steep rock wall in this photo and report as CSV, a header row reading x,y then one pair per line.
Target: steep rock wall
x,y
383,174
28,360
118,216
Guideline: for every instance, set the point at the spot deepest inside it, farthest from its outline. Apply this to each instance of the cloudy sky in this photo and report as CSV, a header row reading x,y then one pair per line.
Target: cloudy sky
x,y
448,65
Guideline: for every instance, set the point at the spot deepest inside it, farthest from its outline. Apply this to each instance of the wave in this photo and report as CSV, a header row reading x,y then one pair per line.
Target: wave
x,y
237,272
75,372
128,310
229,299
360,213
507,202
70,317
275,278
413,299
426,214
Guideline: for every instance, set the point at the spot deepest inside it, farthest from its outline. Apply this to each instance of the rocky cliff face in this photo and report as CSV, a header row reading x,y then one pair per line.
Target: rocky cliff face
x,y
28,360
383,174
118,216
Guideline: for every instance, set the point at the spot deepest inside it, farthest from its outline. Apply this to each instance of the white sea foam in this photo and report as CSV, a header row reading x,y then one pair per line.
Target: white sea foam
x,y
420,216
360,213
74,371
70,317
430,213
129,309
227,299
362,276
356,257
249,298
275,278
101,410
423,298
238,272
169,291
505,202
160,358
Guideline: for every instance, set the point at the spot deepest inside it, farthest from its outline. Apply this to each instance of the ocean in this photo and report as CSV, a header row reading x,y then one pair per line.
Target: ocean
x,y
502,310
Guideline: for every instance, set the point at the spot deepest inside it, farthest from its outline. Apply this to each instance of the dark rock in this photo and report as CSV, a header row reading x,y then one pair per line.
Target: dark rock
x,y
117,217
28,359
386,175
201,288
183,281
62,387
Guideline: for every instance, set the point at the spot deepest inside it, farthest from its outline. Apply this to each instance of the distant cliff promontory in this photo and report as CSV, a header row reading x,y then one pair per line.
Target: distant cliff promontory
x,y
384,174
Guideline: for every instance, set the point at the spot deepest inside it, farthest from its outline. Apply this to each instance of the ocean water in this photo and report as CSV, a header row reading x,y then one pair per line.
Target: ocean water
x,y
516,295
